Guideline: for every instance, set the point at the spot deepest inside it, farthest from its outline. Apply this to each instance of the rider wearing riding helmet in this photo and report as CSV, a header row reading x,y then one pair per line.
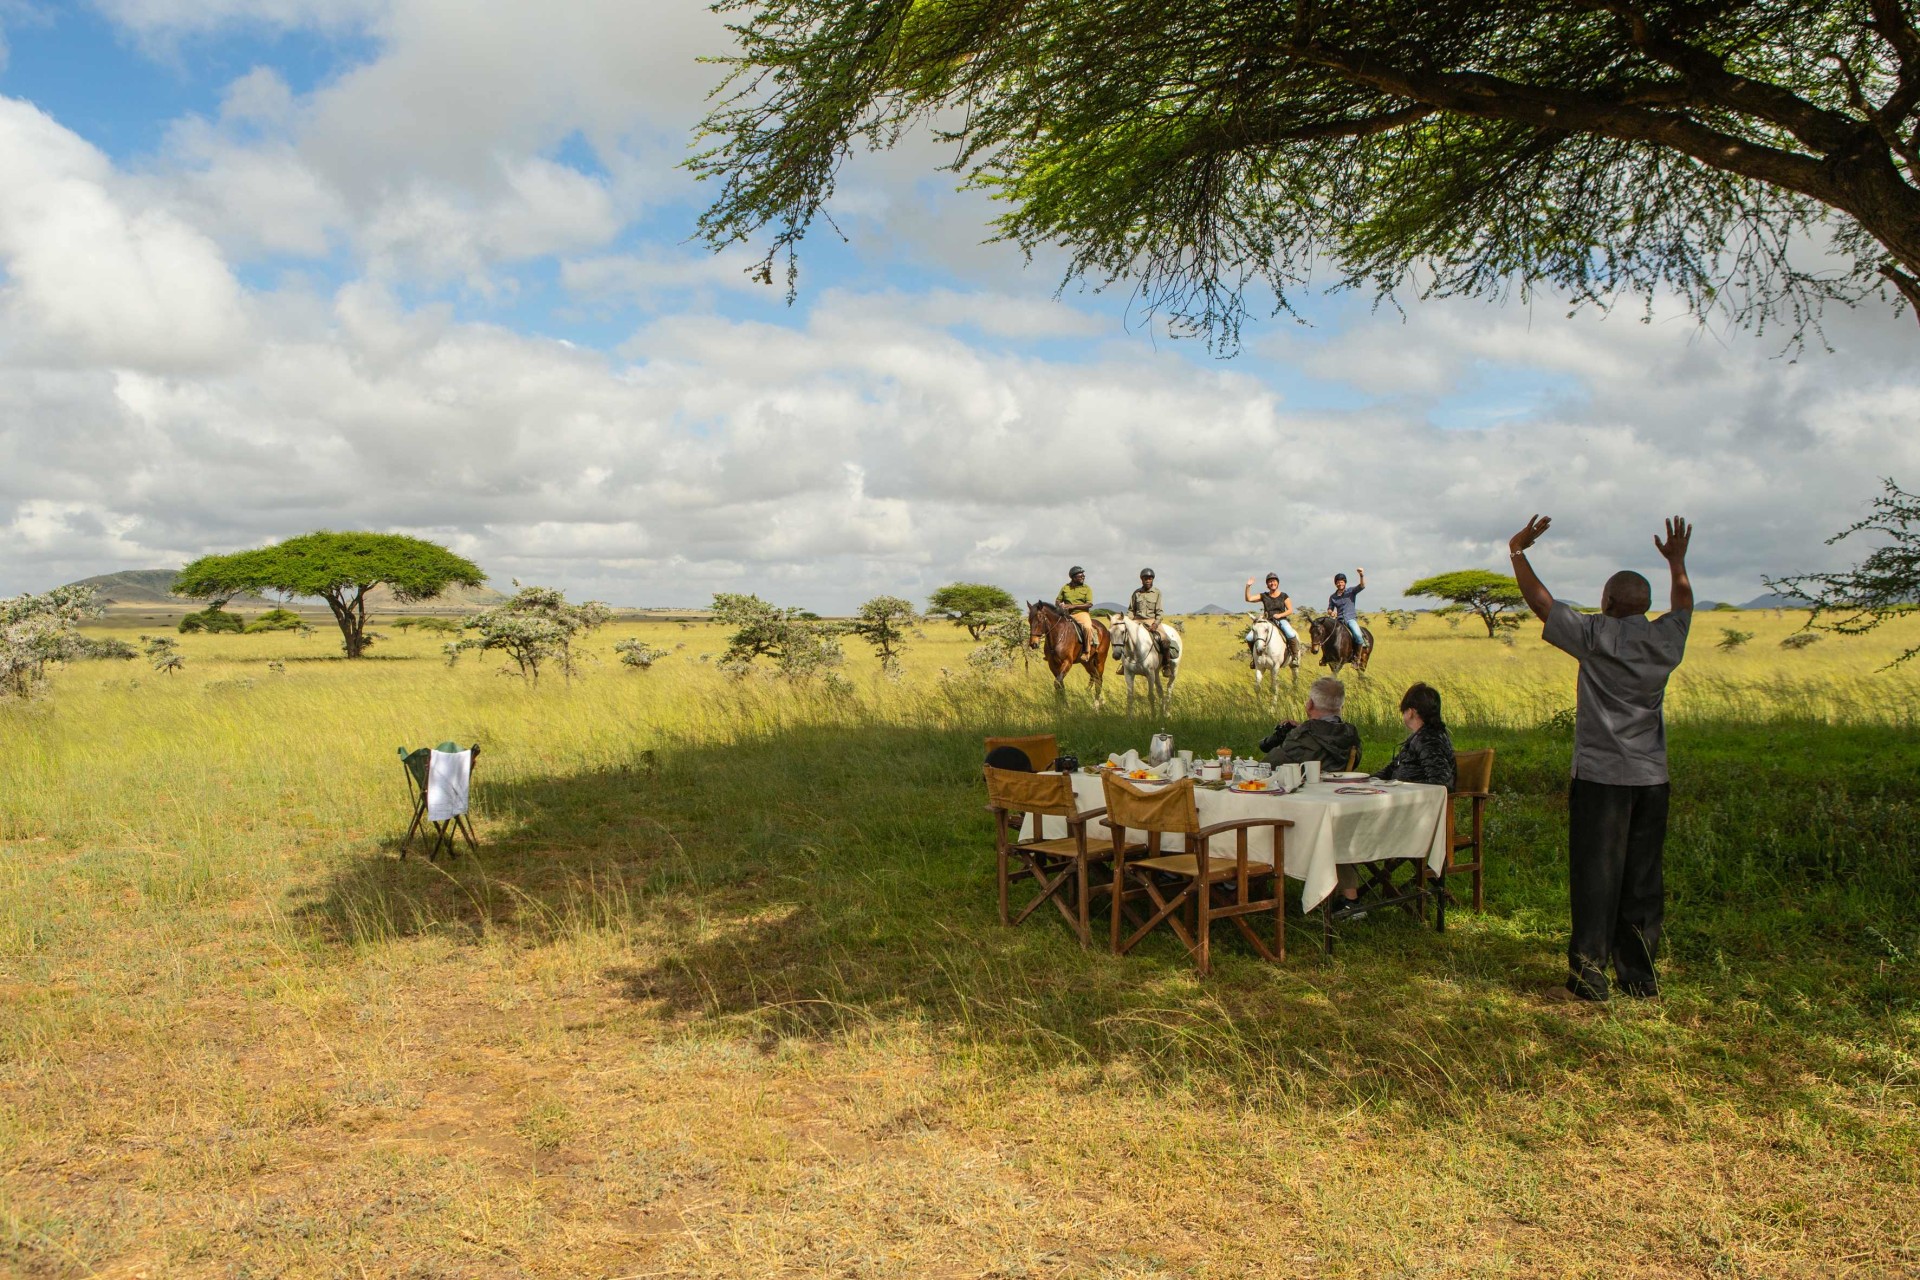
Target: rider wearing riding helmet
x,y
1076,601
1144,606
1341,605
1275,605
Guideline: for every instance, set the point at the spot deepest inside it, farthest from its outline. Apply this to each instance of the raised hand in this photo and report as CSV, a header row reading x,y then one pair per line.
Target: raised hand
x,y
1536,525
1679,534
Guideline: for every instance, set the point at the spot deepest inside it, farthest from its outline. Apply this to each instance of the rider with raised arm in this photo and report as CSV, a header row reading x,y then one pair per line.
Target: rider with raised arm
x,y
1276,606
1144,606
1076,601
1341,605
1617,801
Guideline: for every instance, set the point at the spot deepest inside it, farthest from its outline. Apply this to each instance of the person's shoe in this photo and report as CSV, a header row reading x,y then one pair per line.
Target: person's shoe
x,y
1564,993
1349,909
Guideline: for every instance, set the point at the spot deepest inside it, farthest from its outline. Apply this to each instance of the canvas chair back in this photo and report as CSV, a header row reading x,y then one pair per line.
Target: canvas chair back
x,y
1170,808
1041,749
415,763
1473,770
1018,792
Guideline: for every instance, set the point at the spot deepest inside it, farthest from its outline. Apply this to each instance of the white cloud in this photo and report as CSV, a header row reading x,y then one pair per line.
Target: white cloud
x,y
90,278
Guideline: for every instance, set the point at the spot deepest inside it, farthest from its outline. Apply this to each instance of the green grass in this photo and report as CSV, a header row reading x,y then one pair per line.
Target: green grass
x,y
724,993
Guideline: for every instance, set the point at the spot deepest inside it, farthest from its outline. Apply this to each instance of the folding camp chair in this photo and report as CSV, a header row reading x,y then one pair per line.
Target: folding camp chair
x,y
414,765
1041,749
1207,886
1060,866
1472,782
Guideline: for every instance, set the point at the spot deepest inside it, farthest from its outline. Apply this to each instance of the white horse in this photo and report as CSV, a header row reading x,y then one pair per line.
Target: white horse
x,y
1133,645
1270,651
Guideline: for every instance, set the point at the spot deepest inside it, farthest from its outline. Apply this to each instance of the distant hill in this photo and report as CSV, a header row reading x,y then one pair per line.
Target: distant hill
x,y
1773,600
1212,608
153,588
1112,608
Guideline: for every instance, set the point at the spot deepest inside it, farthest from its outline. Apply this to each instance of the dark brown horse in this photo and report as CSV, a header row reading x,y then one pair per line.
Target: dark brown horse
x,y
1334,643
1049,624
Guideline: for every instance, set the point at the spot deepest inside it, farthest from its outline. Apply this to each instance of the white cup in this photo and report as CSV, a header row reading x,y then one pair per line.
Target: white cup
x,y
1312,768
1209,773
1291,775
1186,758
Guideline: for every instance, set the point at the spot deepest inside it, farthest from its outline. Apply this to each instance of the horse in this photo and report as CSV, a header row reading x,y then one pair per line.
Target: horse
x,y
1334,643
1051,625
1270,650
1140,656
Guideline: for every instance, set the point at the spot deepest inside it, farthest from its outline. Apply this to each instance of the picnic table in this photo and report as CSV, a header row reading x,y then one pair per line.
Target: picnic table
x,y
1332,823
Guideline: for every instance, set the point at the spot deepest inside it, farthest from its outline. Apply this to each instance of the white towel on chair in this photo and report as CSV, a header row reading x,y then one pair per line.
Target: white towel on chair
x,y
447,774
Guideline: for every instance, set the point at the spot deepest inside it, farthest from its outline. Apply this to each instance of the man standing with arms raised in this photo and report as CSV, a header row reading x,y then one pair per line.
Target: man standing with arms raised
x,y
1617,801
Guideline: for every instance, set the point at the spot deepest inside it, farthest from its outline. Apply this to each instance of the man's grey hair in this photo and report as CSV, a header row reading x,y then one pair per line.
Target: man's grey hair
x,y
1328,694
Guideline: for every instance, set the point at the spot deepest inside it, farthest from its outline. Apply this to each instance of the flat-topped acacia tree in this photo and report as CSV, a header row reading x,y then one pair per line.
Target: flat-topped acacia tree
x,y
340,568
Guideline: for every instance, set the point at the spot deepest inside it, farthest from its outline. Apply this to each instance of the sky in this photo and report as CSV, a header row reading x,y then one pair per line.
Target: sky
x,y
426,266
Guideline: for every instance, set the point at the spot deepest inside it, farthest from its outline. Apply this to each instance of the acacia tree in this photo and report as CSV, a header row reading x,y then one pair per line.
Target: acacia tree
x,y
536,627
973,605
1884,585
794,640
340,568
36,630
883,622
1490,597
1468,147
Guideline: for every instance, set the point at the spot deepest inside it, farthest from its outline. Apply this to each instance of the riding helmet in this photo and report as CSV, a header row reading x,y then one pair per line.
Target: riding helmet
x,y
1146,573
1074,570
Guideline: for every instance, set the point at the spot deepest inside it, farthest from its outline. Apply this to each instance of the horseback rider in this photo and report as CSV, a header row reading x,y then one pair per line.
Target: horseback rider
x,y
1276,606
1341,605
1076,601
1144,606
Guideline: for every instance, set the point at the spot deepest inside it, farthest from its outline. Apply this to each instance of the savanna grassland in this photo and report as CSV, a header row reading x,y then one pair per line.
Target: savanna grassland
x,y
724,992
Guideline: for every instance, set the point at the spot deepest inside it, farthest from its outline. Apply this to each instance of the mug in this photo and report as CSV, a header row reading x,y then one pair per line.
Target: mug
x,y
1291,776
1312,768
1186,758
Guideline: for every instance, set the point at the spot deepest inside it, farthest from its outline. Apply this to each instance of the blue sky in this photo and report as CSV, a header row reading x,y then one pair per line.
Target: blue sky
x,y
269,265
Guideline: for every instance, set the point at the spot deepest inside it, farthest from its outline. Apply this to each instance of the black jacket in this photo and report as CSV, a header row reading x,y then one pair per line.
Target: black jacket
x,y
1426,756
1329,741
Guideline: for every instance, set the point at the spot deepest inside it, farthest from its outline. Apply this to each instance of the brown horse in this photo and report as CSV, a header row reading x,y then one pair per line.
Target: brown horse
x,y
1049,624
1334,643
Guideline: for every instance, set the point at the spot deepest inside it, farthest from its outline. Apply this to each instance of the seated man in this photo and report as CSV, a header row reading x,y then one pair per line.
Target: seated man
x,y
1322,736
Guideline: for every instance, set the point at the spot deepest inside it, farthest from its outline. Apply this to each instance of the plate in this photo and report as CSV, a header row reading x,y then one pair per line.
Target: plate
x,y
1342,777
1258,787
1142,779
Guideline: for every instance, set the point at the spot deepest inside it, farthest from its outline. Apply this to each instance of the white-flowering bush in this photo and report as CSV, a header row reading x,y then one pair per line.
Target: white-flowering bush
x,y
43,629
536,628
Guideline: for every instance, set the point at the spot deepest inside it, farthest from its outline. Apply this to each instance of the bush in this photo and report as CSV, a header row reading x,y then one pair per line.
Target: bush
x,y
1731,639
535,627
275,620
638,655
214,620
36,630
1724,607
1801,640
164,653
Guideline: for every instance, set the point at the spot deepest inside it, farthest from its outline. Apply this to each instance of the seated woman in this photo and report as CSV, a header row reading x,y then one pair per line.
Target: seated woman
x,y
1427,754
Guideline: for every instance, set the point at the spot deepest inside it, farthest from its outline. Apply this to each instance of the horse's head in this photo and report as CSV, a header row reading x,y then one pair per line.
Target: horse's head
x,y
1039,613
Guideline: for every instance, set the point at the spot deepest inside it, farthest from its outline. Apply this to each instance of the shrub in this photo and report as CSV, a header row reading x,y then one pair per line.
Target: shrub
x,y
275,620
1801,640
37,630
213,619
164,653
1731,639
537,626
638,655
884,622
1724,607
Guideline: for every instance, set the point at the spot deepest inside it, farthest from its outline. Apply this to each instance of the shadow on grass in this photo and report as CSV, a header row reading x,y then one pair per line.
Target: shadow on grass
x,y
835,883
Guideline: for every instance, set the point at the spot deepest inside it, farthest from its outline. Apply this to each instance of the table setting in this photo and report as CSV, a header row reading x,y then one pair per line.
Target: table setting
x,y
1337,817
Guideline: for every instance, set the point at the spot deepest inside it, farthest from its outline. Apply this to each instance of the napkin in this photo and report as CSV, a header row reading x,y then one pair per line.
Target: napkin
x,y
1174,769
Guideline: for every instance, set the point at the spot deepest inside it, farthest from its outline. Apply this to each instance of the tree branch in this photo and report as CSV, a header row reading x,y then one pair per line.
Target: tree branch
x,y
1908,286
1258,133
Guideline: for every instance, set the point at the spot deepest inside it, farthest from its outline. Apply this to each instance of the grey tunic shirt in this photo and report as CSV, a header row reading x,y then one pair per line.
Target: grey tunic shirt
x,y
1620,727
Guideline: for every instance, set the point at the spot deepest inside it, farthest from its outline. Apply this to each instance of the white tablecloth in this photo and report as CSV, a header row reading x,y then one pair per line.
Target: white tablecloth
x,y
1407,820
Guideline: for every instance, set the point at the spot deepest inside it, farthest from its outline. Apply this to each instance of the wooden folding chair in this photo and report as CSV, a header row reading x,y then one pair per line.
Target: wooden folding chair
x,y
1041,749
1060,866
414,765
1472,782
1205,886
1353,759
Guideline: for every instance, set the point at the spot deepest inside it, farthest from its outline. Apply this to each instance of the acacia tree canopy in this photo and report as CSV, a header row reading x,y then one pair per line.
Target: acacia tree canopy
x,y
1483,593
975,606
340,568
1199,148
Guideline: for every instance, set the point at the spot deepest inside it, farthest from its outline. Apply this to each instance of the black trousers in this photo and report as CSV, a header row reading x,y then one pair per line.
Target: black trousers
x,y
1617,839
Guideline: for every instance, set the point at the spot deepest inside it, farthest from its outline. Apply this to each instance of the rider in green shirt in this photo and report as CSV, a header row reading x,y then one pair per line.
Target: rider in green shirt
x,y
1145,607
1076,598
